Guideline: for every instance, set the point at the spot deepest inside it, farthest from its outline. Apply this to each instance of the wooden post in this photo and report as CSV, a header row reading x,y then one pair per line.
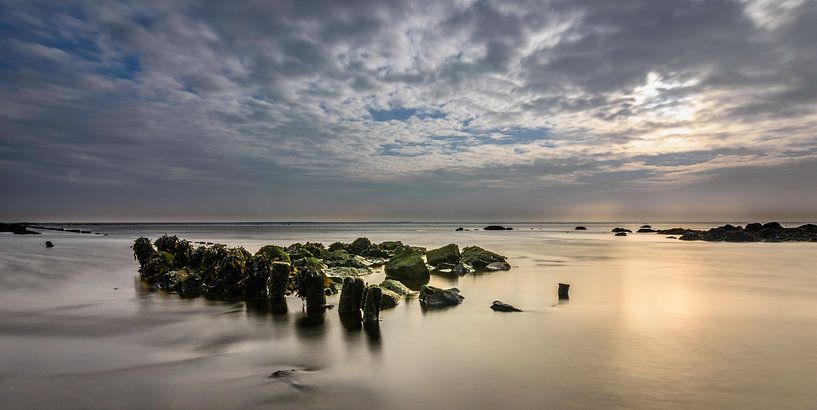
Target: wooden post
x,y
351,296
371,306
563,289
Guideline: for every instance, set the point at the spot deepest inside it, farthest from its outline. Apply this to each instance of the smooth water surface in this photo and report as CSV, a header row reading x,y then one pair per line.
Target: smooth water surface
x,y
651,323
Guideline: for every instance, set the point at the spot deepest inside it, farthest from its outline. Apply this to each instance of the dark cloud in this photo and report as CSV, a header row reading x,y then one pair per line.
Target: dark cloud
x,y
396,110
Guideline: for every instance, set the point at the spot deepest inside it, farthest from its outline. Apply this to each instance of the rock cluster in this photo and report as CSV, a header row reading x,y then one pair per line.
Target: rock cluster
x,y
754,232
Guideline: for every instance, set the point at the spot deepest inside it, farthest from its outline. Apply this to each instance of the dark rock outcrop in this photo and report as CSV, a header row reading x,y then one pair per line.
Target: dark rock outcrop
x,y
480,258
351,296
17,229
448,254
49,244
407,264
621,234
754,232
431,296
499,306
496,228
624,230
580,228
373,300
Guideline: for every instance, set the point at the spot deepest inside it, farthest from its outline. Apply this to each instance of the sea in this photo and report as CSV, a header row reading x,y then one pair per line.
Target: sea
x,y
651,322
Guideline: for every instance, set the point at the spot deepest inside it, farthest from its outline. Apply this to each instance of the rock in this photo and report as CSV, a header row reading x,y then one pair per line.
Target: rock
x,y
564,288
645,230
739,236
498,306
142,250
673,231
497,266
391,246
282,373
774,226
691,236
753,227
447,254
621,233
617,230
359,245
580,228
338,273
343,258
480,258
460,229
645,227
389,299
179,248
274,253
183,282
496,228
256,276
431,296
671,237
351,296
397,287
17,229
407,264
48,244
373,300
462,269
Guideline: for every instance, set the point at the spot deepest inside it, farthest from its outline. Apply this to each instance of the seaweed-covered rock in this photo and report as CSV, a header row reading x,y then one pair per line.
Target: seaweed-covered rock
x,y
256,276
274,253
306,250
226,275
157,264
407,264
342,258
431,296
359,245
391,246
462,269
182,281
142,250
388,298
397,287
181,249
448,254
480,258
338,246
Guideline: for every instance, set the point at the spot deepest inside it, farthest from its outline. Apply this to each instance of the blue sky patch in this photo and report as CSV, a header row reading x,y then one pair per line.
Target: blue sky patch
x,y
399,114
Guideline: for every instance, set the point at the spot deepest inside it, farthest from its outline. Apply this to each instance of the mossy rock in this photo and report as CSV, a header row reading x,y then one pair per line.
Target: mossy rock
x,y
448,254
389,298
397,287
407,264
181,249
359,245
480,258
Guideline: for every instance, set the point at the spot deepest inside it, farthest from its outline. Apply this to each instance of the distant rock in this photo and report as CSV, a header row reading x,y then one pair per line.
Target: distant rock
x,y
17,229
753,232
753,227
645,230
431,296
460,229
499,306
774,226
621,233
621,230
645,227
48,244
496,228
563,291
580,228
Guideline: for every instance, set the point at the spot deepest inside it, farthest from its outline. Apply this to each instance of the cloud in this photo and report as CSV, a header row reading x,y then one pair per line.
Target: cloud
x,y
449,101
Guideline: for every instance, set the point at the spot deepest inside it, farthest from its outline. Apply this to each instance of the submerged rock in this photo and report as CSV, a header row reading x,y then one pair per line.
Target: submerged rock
x,y
621,234
431,296
448,254
397,287
497,266
624,230
49,244
504,307
407,264
460,229
480,258
580,228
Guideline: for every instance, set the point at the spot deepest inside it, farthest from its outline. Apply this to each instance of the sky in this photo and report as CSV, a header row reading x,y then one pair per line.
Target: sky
x,y
586,110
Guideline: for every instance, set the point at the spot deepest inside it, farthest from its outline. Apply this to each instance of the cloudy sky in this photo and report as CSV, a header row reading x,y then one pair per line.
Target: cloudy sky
x,y
461,110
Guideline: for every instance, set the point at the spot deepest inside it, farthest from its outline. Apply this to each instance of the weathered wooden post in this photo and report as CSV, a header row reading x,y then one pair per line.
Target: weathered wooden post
x,y
278,281
563,290
371,305
351,296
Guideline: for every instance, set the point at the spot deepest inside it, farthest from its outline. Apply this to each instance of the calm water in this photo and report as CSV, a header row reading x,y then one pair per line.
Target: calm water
x,y
651,323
